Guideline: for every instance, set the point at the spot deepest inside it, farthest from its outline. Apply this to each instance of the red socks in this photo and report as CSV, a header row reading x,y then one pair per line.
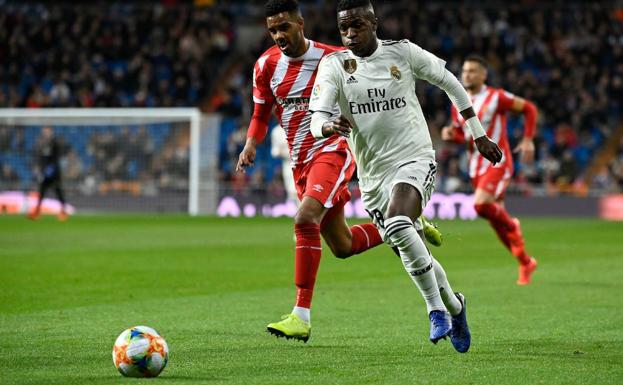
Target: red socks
x,y
497,215
365,237
307,260
308,252
506,228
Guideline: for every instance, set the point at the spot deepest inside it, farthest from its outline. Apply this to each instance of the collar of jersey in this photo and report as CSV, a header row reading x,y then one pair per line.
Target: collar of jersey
x,y
311,44
482,91
374,55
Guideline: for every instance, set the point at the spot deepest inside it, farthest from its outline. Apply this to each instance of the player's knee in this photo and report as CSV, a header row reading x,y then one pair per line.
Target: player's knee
x,y
483,209
412,209
397,231
405,201
306,216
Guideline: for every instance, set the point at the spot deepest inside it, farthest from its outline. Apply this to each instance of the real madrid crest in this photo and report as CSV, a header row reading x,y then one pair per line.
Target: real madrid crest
x,y
395,72
350,65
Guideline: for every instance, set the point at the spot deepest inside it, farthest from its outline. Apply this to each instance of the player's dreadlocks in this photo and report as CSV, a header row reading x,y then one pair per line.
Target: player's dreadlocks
x,y
274,7
344,5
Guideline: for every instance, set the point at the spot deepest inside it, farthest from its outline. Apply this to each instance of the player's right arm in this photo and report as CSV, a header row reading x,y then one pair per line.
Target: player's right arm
x,y
429,67
324,98
510,102
263,100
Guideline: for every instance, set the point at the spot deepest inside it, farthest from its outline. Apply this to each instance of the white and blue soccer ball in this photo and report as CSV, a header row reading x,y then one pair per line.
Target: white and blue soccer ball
x,y
140,352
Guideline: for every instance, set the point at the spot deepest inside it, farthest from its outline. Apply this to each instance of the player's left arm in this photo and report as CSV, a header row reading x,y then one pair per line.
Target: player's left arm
x,y
429,67
514,103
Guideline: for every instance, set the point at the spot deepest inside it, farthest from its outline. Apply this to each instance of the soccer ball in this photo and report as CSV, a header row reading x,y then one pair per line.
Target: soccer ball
x,y
140,352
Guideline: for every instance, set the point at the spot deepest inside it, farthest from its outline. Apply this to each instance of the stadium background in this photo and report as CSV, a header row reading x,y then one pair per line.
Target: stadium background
x,y
210,285
567,59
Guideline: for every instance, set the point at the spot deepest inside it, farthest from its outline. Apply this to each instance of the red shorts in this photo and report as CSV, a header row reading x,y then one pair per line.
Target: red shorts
x,y
494,181
326,178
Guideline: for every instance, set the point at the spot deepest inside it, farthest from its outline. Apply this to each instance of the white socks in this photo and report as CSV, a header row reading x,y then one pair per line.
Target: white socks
x,y
445,290
303,313
401,233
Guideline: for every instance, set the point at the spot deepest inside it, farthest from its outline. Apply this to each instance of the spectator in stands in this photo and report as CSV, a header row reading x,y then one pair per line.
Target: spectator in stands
x,y
566,59
8,176
562,69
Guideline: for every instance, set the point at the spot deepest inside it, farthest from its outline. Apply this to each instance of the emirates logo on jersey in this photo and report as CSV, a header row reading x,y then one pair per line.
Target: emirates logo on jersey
x,y
350,65
395,72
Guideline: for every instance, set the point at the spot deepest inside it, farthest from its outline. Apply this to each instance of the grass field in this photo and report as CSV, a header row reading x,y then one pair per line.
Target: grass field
x,y
210,286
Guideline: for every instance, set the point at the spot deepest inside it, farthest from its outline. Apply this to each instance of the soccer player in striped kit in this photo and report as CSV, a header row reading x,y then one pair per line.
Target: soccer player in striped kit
x,y
283,78
490,181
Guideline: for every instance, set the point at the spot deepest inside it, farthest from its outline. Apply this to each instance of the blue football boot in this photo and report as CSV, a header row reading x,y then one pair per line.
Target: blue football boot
x,y
440,325
459,336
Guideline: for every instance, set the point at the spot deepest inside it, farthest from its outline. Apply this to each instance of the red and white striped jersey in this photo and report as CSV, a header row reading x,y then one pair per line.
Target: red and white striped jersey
x,y
491,106
286,83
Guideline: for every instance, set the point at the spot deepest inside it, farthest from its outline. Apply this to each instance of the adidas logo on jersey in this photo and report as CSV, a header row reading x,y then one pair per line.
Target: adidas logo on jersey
x,y
351,80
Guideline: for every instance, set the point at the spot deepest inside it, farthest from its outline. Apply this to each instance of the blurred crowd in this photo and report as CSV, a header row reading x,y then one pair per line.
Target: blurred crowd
x,y
136,160
567,59
109,54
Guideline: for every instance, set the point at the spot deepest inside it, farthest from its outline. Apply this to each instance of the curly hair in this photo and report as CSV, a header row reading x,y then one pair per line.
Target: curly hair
x,y
274,7
344,5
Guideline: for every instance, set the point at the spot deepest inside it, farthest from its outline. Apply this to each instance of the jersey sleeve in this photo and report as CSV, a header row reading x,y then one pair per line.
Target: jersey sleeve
x,y
429,67
262,94
326,88
505,100
426,65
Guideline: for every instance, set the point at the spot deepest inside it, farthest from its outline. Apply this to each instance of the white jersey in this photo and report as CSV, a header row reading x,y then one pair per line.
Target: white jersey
x,y
279,149
377,95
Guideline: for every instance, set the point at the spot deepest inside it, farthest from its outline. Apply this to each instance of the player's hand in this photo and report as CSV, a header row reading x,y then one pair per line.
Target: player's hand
x,y
448,133
340,126
525,148
246,158
488,149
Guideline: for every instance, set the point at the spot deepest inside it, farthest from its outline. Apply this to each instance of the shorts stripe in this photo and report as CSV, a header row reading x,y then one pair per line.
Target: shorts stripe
x,y
338,183
430,177
502,184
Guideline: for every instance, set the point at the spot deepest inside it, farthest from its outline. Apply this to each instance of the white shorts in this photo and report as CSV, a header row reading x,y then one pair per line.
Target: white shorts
x,y
418,173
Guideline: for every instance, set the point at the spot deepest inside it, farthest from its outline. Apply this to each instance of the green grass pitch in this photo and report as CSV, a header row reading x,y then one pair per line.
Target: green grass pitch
x,y
210,286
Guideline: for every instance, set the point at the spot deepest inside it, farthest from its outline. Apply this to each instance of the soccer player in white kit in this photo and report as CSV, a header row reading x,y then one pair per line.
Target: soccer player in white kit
x,y
373,83
279,149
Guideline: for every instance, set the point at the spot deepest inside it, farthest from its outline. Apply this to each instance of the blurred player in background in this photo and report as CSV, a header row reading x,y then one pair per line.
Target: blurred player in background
x,y
374,84
279,149
283,78
490,181
48,153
